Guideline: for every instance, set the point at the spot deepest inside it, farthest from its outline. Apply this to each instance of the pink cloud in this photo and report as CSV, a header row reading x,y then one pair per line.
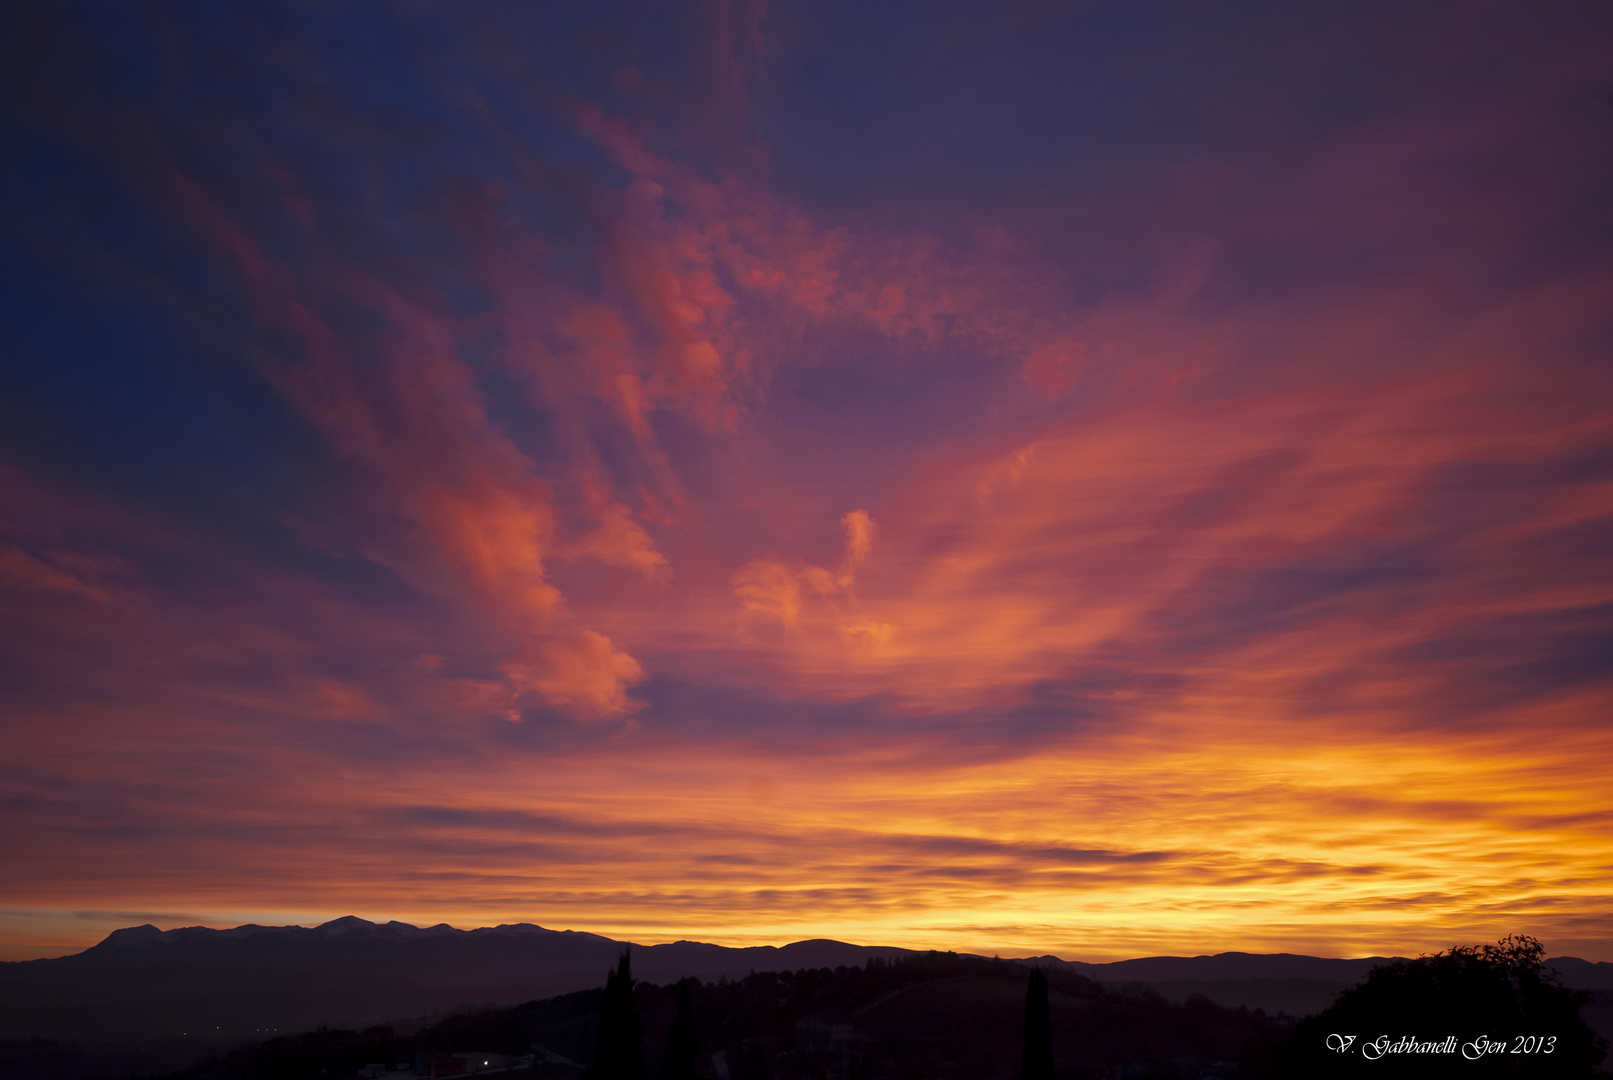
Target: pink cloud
x,y
21,570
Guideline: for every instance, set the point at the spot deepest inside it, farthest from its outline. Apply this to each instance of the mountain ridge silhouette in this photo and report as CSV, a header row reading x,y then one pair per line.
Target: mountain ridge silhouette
x,y
141,981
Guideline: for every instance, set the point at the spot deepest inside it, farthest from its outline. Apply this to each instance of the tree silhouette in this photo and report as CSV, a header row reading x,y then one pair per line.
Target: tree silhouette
x,y
1499,994
678,1062
620,1055
1038,1060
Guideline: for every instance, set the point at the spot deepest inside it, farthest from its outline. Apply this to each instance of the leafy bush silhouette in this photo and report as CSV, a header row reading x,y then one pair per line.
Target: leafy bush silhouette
x,y
1496,992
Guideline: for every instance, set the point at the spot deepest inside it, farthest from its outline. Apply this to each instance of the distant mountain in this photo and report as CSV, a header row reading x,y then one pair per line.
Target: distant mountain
x,y
1278,983
1232,965
1302,985
1582,974
142,982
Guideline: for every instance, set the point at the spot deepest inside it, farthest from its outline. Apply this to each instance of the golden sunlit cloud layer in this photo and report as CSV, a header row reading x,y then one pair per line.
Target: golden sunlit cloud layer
x,y
486,489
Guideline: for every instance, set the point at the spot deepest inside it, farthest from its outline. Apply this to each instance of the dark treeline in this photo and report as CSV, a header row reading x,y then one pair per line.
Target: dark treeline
x,y
1498,1011
940,1015
933,1014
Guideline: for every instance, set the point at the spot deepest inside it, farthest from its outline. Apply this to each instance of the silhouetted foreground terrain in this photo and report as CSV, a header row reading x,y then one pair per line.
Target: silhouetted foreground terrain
x,y
940,1015
926,1015
145,1001
1487,1010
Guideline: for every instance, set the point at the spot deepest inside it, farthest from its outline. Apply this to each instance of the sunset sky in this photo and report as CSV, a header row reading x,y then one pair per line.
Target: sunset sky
x,y
1105,479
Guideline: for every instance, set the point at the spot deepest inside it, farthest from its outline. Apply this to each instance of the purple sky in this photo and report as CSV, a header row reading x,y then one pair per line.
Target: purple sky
x,y
1103,479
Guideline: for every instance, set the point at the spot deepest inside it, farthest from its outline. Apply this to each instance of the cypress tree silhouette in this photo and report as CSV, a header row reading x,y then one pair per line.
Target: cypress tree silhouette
x,y
621,1054
1038,1060
678,1062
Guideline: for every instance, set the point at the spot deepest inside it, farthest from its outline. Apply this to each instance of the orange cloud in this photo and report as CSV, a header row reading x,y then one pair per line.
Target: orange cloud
x,y
618,540
621,541
768,587
419,424
499,536
773,588
585,673
680,237
859,529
